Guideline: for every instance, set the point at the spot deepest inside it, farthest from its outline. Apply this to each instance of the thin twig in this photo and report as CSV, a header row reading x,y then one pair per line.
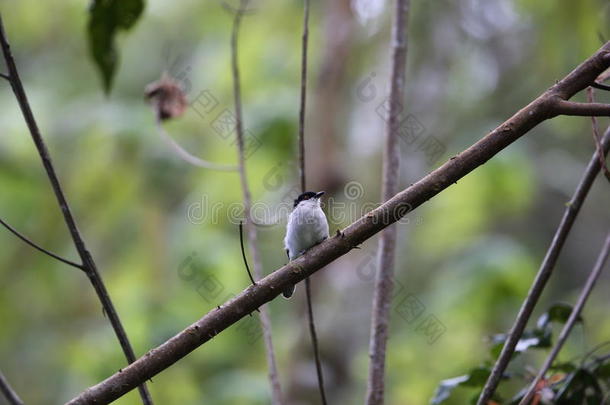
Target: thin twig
x,y
232,10
303,103
598,360
243,252
387,242
88,263
545,271
564,107
591,352
5,77
601,86
268,288
574,315
187,156
314,341
9,393
39,248
302,108
276,392
596,137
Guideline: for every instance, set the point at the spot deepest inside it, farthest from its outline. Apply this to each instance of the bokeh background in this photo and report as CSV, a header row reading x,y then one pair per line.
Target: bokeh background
x,y
164,232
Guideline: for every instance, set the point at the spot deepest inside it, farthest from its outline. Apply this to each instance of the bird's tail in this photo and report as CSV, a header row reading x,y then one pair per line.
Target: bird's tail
x,y
288,291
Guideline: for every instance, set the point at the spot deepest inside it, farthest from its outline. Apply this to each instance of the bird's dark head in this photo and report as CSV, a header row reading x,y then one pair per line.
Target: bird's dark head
x,y
308,195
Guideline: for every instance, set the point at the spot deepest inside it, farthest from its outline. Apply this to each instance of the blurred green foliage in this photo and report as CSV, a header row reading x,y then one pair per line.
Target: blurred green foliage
x,y
467,256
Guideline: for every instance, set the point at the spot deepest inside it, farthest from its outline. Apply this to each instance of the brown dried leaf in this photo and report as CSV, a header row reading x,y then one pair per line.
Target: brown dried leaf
x,y
167,97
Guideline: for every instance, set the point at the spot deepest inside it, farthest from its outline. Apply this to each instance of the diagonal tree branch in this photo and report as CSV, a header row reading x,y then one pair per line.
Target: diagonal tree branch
x,y
380,321
8,392
574,315
38,247
545,271
88,264
276,392
268,288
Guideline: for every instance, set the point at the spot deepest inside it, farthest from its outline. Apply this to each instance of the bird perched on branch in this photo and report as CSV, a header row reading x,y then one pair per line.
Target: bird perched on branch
x,y
307,226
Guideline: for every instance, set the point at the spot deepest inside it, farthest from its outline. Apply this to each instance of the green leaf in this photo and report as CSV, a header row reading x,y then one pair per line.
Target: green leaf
x,y
106,18
476,378
444,389
535,339
563,367
559,312
581,387
127,12
602,371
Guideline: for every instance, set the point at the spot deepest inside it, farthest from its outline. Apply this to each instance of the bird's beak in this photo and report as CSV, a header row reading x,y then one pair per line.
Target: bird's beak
x,y
320,194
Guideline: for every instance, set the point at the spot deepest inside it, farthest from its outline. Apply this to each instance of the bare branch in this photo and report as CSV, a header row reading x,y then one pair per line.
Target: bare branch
x,y
574,315
243,252
596,137
8,392
276,392
5,77
600,86
88,264
303,104
302,107
271,286
545,271
563,107
387,241
314,341
38,247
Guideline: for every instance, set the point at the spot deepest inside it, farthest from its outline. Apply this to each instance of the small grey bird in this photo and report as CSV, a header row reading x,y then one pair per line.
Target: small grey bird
x,y
307,226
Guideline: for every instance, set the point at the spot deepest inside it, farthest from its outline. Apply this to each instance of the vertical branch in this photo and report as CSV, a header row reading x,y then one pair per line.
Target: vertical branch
x,y
8,392
88,264
596,137
304,45
574,315
545,271
314,341
276,392
387,241
310,317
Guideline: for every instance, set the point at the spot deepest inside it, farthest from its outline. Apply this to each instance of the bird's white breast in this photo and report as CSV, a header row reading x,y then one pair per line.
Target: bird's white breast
x,y
307,226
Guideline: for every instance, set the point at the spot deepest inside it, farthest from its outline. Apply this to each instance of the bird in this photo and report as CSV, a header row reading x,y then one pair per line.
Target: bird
x,y
307,226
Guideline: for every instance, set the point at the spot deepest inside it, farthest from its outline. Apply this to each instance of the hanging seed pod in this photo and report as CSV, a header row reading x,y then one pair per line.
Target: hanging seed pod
x,y
167,97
